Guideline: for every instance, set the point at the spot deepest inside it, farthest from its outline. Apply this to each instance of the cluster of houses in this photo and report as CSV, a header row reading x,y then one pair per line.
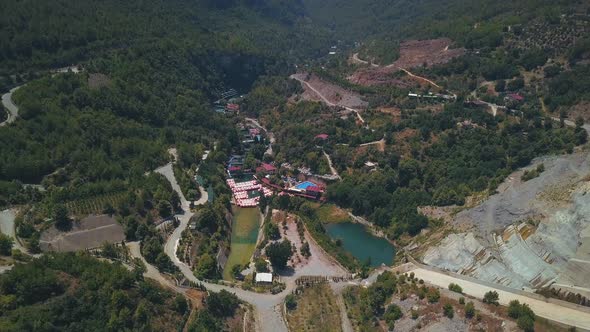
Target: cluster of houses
x,y
247,192
228,103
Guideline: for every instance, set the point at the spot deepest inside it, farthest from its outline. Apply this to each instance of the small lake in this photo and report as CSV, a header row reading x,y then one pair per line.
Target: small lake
x,y
359,241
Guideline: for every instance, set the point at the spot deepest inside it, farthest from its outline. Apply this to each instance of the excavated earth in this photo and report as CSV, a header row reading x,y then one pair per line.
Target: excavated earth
x,y
413,53
529,234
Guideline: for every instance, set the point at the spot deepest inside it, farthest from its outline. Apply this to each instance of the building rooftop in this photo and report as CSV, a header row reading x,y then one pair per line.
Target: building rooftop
x,y
263,277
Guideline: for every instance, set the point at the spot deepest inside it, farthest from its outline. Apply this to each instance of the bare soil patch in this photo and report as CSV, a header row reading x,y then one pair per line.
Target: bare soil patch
x,y
90,232
413,53
333,93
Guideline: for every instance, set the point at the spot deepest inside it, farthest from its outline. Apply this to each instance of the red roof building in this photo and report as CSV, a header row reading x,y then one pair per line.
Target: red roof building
x,y
266,168
322,136
314,189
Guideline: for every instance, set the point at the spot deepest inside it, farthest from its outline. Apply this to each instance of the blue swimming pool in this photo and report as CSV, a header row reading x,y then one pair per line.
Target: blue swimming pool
x,y
304,185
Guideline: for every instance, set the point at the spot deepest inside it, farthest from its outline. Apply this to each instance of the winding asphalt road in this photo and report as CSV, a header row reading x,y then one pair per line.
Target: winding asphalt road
x,y
268,307
10,107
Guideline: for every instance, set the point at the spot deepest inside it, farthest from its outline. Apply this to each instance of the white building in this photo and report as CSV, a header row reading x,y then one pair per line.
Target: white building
x,y
264,277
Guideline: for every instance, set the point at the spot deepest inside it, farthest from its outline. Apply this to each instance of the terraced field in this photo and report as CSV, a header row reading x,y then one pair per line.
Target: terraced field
x,y
94,205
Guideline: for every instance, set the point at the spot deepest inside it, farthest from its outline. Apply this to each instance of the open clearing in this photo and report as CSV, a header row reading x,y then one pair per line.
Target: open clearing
x,y
413,53
330,93
317,310
90,232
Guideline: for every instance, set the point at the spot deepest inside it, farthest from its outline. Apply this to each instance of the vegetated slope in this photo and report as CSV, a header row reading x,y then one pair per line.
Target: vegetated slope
x,y
423,19
160,61
473,24
76,292
38,35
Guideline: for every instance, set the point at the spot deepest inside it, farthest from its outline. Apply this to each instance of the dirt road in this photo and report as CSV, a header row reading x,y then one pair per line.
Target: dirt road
x,y
424,79
571,123
551,311
356,59
332,169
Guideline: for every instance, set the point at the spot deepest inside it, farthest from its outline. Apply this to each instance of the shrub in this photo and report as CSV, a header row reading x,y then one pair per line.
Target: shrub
x,y
469,310
448,311
526,323
514,309
415,314
261,265
392,314
523,314
6,243
461,300
433,295
455,288
291,302
491,297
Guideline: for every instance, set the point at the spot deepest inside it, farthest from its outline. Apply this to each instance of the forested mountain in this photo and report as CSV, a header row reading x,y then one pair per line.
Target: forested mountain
x,y
151,69
359,19
35,34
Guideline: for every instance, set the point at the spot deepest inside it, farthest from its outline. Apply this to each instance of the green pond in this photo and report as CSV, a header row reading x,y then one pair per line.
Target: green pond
x,y
363,245
245,226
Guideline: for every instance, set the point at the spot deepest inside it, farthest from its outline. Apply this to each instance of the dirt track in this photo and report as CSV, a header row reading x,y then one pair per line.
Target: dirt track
x,y
413,53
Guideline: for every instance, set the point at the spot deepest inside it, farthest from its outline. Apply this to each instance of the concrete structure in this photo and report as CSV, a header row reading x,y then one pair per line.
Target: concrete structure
x,y
264,277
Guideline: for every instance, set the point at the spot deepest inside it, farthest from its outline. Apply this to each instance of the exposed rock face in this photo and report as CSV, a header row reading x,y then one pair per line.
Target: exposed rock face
x,y
504,245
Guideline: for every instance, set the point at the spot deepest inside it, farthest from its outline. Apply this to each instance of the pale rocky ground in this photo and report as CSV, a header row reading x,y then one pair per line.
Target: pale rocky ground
x,y
528,235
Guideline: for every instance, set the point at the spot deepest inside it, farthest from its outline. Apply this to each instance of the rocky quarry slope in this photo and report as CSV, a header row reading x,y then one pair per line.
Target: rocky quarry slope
x,y
529,234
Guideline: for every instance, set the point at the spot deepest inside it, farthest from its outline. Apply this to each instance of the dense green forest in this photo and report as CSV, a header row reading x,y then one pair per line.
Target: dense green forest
x,y
40,35
149,76
473,24
76,292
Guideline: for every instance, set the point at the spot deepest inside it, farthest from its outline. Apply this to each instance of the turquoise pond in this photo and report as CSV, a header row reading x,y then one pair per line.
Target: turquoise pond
x,y
363,245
